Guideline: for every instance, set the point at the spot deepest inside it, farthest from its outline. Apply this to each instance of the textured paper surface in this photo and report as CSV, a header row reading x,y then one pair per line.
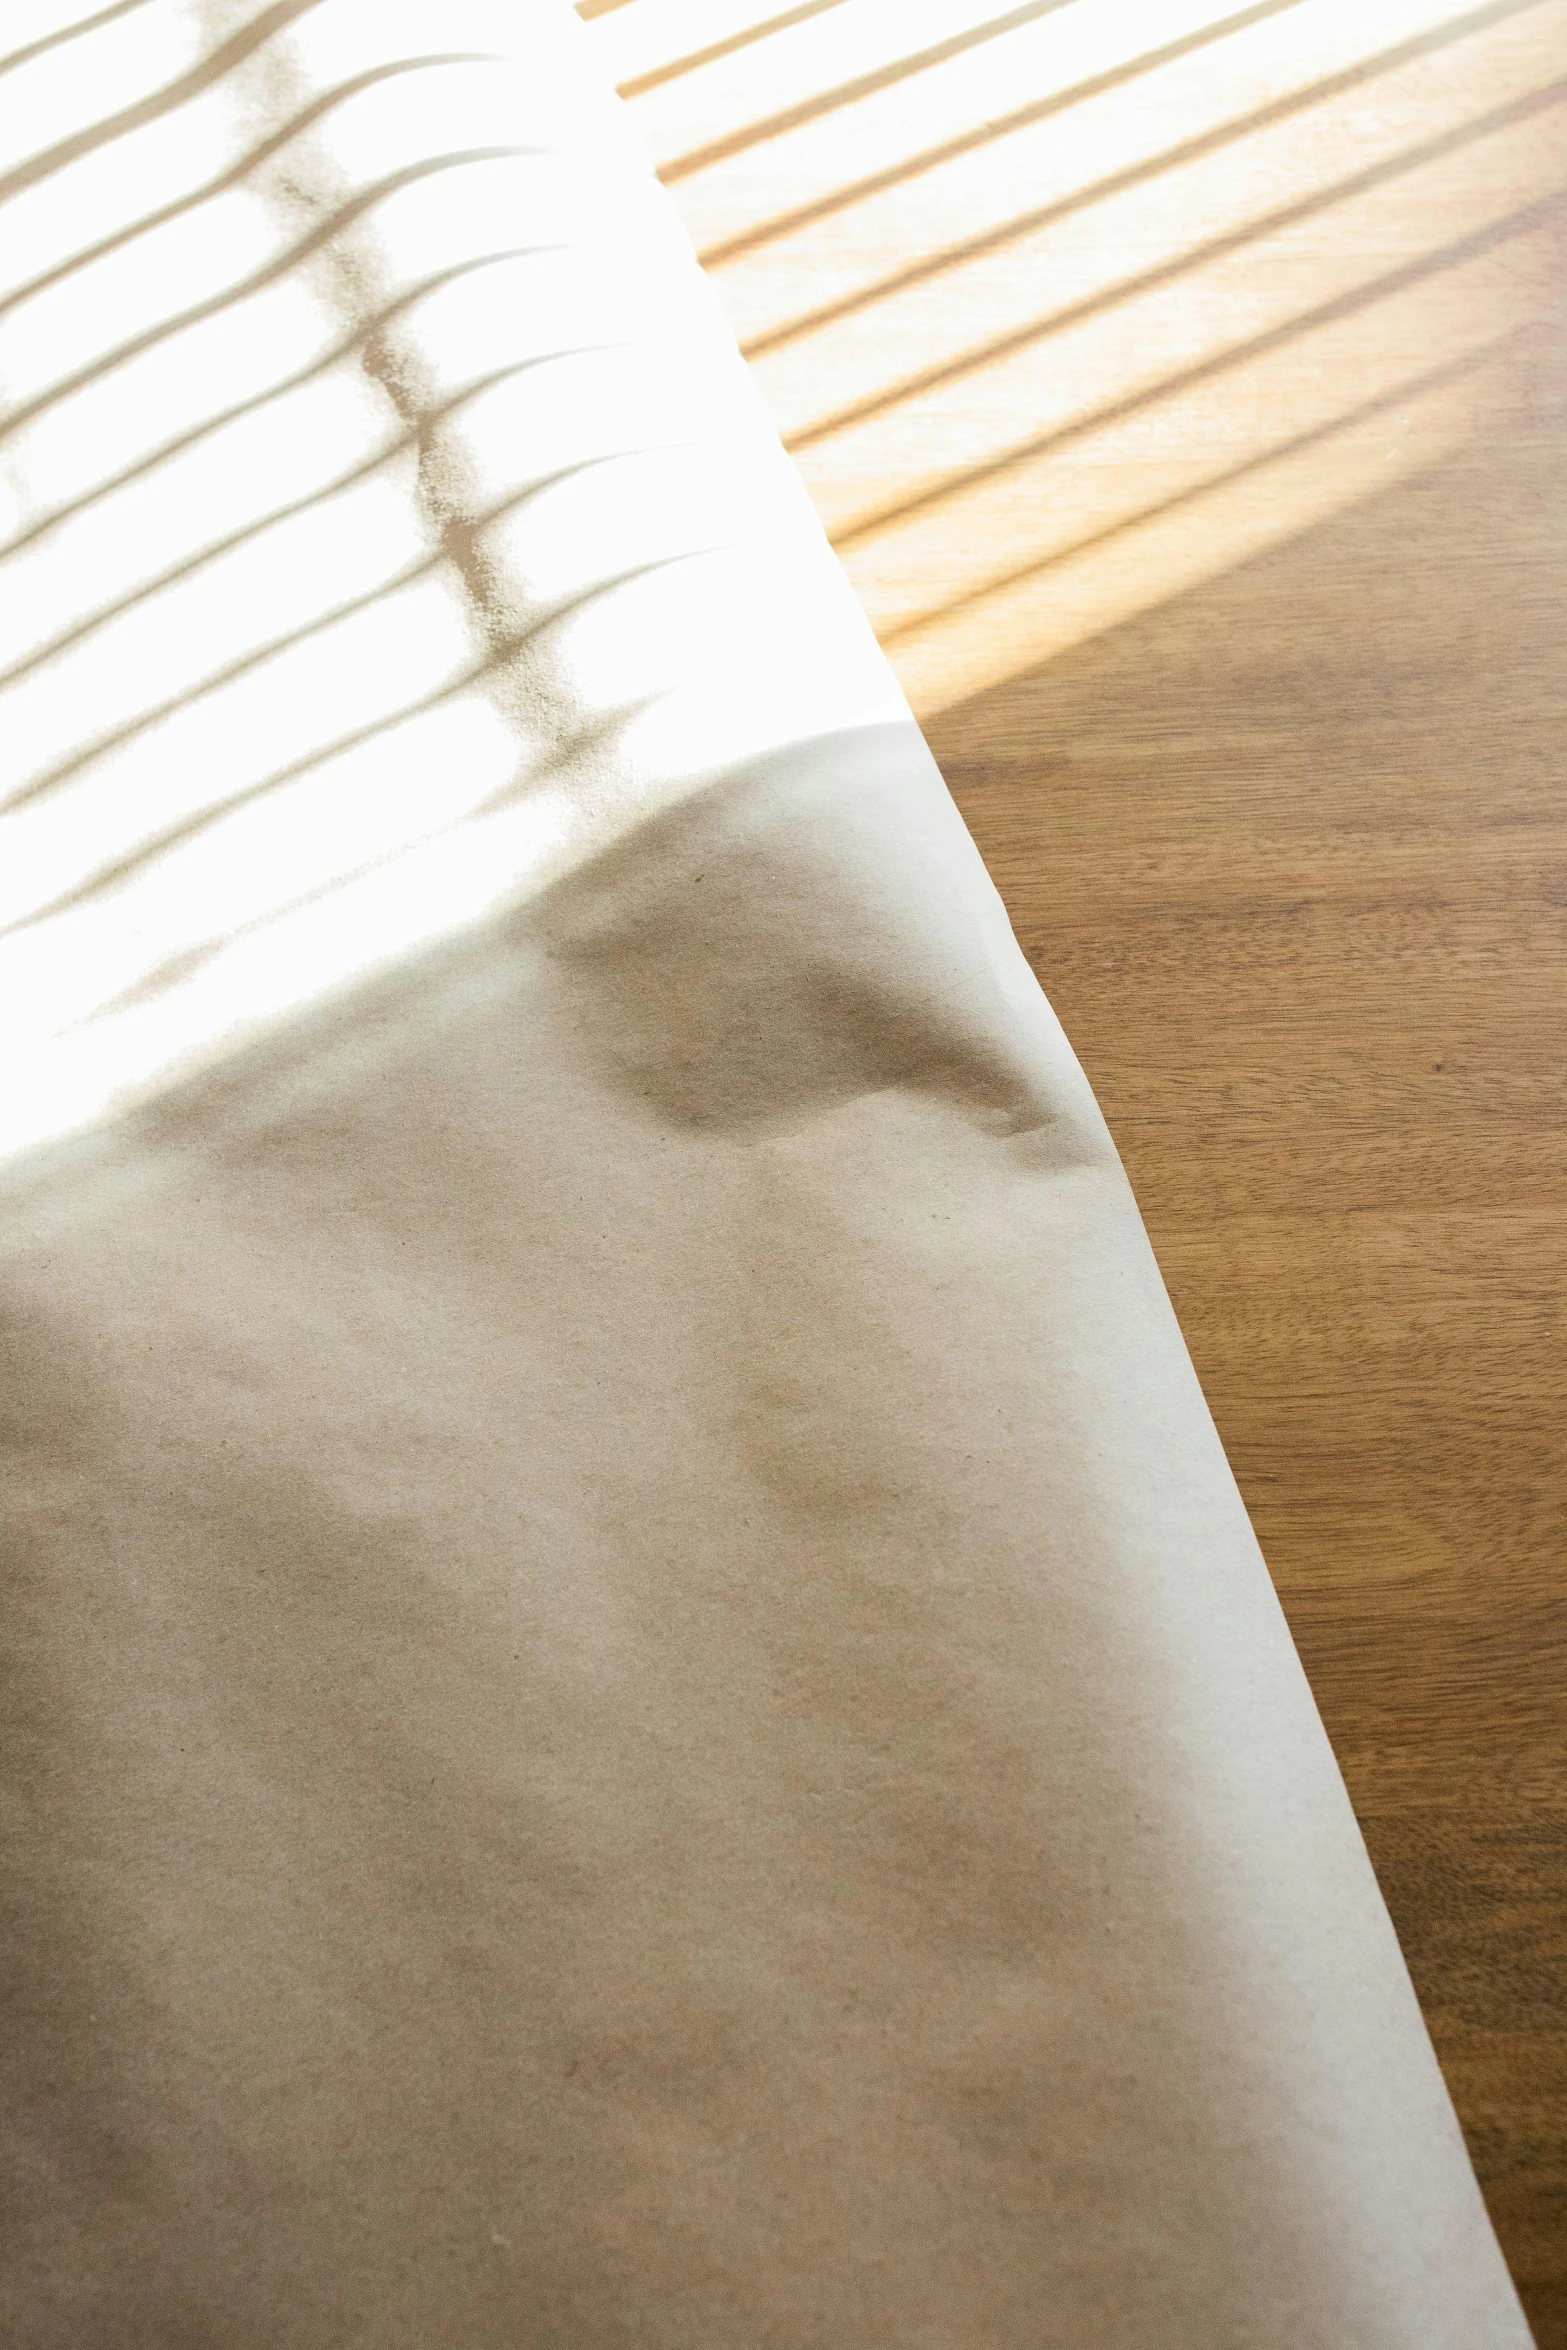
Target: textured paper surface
x,y
642,1708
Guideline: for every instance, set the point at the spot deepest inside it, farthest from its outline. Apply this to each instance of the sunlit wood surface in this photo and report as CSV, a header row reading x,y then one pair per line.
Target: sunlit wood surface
x,y
1185,391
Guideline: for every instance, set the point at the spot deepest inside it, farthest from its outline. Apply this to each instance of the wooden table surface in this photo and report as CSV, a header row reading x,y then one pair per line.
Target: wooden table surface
x,y
1185,390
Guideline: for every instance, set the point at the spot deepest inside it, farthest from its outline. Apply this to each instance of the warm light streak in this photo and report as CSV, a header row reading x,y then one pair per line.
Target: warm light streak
x,y
1220,277
1164,549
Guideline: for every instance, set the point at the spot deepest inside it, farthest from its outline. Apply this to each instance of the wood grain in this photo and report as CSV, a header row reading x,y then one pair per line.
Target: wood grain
x,y
1325,1022
1276,803
1289,857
